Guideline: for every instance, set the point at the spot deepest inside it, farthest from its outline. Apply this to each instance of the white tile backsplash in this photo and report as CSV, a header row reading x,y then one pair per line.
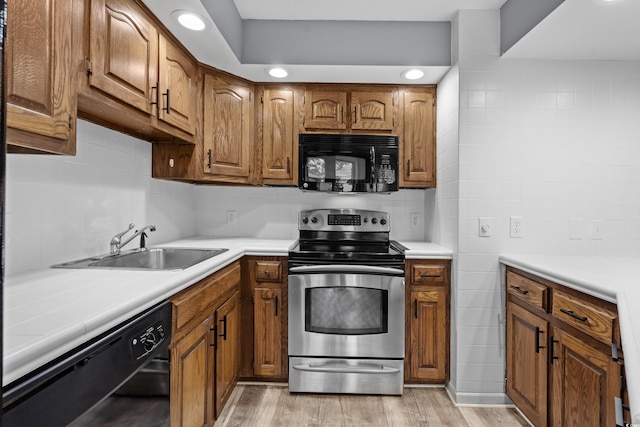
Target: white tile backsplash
x,y
544,140
62,208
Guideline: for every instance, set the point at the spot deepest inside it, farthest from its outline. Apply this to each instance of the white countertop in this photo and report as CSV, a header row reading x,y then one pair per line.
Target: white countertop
x,y
50,311
612,279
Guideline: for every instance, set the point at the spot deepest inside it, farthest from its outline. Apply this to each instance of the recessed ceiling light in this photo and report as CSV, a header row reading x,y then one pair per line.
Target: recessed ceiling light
x,y
413,74
190,20
277,72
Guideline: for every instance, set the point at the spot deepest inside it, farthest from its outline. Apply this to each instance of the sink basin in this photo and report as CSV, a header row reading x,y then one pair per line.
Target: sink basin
x,y
150,259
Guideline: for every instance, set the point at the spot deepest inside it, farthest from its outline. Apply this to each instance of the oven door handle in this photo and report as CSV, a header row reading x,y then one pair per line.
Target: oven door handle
x,y
346,369
348,269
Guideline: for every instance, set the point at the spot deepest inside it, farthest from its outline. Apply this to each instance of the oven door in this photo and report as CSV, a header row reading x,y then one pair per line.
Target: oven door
x,y
346,311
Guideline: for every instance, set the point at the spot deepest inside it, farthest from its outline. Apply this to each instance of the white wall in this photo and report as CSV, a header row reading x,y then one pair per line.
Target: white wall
x,y
547,141
272,212
63,208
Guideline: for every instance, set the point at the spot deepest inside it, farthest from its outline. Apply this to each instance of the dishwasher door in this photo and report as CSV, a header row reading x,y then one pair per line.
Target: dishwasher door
x,y
67,387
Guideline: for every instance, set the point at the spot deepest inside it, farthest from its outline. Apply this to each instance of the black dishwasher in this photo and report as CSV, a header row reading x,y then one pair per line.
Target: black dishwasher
x,y
65,388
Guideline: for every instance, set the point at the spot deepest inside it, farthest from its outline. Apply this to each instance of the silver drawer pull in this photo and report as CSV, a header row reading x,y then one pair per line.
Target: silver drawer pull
x,y
575,316
346,369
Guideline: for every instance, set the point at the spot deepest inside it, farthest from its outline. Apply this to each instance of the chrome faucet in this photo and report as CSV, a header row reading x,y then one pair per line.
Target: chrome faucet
x,y
116,241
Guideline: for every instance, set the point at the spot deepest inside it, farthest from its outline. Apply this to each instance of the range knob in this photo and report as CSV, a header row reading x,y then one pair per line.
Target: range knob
x,y
374,220
366,220
383,221
305,220
314,219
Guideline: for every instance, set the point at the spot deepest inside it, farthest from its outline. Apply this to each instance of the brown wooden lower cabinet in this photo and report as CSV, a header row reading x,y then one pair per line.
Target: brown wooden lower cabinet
x,y
267,327
427,321
191,373
527,362
264,330
585,382
205,348
227,348
559,368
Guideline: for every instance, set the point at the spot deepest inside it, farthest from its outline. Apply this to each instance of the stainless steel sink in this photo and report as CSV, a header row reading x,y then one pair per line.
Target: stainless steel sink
x,y
149,259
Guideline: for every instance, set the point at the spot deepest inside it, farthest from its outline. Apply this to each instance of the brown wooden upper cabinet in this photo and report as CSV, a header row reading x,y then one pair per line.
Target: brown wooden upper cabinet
x,y
41,102
228,128
137,67
418,138
341,110
279,137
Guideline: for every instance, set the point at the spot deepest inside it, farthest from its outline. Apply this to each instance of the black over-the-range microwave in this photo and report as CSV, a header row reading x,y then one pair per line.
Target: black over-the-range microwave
x,y
348,163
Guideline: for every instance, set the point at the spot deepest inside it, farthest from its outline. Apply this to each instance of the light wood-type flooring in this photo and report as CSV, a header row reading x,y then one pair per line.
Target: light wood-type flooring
x,y
266,405
273,405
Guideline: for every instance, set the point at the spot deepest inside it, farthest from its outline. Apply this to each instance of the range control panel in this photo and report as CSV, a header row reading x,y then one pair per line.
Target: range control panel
x,y
359,220
147,340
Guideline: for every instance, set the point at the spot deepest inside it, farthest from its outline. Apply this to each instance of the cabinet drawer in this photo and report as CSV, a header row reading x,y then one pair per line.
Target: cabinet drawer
x,y
196,302
268,271
527,290
428,274
589,318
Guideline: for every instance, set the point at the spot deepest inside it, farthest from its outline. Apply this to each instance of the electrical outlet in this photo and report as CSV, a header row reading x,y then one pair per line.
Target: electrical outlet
x,y
232,216
484,227
597,229
415,220
517,227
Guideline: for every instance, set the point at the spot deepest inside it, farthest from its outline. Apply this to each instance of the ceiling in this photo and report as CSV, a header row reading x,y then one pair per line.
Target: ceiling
x,y
577,29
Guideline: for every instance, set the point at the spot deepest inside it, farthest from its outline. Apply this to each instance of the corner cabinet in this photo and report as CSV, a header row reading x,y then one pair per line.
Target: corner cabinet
x,y
228,128
417,138
560,369
427,318
136,78
205,348
264,332
40,77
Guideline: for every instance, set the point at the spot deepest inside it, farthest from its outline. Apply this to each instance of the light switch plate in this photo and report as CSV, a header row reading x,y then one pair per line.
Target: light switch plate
x,y
485,227
576,229
597,229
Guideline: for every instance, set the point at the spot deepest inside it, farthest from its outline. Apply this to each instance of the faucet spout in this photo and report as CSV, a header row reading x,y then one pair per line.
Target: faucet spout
x,y
117,243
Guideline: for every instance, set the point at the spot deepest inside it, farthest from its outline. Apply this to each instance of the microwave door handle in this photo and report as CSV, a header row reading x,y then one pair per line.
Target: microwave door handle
x,y
372,152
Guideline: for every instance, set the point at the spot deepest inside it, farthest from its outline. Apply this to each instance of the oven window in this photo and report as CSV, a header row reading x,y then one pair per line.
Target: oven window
x,y
346,310
338,168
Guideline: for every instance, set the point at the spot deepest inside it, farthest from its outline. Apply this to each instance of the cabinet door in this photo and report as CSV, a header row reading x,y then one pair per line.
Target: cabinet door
x,y
527,335
227,127
39,76
372,110
267,333
228,350
418,140
192,378
585,382
278,130
325,110
123,53
429,331
177,87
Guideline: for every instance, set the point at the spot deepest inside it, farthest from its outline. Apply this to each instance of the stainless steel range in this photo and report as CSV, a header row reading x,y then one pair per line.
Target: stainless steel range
x,y
346,304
